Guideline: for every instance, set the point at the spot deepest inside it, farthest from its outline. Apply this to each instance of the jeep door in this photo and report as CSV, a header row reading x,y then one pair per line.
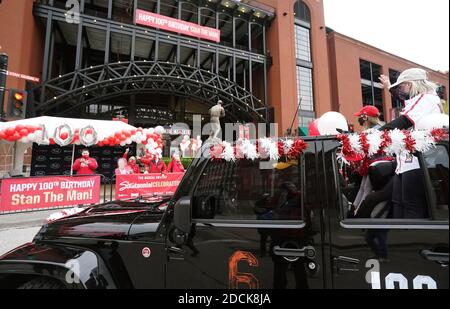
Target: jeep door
x,y
251,230
391,253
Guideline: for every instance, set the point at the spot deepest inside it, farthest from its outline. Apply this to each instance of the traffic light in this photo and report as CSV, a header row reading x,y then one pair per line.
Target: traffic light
x,y
17,103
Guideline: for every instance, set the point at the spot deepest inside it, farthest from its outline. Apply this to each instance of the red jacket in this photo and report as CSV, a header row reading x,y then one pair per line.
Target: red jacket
x,y
85,170
157,168
135,168
175,167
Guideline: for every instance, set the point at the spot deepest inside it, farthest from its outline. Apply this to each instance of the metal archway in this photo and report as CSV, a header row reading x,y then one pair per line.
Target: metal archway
x,y
94,84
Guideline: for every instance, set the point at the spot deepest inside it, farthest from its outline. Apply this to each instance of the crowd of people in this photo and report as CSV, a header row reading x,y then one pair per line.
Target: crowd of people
x,y
153,164
130,165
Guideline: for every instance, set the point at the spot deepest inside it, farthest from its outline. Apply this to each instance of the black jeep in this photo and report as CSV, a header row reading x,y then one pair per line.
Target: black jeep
x,y
247,224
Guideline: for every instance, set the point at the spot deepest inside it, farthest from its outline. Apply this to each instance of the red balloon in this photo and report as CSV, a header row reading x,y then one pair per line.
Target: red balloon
x,y
313,129
2,135
117,135
100,144
52,141
9,131
23,132
133,132
64,135
19,127
88,131
17,136
117,141
123,137
144,142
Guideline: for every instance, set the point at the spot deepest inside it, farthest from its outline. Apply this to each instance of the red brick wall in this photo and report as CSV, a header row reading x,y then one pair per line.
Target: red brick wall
x,y
345,54
282,76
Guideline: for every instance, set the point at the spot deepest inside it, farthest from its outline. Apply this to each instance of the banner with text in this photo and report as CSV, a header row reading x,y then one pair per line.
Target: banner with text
x,y
22,194
176,25
131,186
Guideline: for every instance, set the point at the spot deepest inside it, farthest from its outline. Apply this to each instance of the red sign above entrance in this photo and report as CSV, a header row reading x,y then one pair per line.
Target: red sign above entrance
x,y
175,25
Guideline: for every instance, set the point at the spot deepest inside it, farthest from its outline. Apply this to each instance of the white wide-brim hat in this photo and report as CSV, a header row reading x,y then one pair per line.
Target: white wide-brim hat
x,y
411,75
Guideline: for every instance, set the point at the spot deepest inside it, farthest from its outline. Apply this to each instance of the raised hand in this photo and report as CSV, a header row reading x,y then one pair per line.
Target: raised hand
x,y
385,81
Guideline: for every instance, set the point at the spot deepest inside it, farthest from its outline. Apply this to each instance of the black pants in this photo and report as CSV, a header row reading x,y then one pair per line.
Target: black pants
x,y
377,240
409,199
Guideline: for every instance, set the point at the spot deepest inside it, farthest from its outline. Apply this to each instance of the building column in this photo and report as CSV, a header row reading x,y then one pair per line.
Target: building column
x,y
387,99
132,110
79,48
19,154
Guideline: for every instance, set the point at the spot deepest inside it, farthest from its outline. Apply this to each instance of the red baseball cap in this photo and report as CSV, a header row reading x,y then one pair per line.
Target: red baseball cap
x,y
368,110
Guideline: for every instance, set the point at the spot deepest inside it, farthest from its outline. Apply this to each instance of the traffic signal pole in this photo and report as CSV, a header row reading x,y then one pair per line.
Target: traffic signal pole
x,y
3,75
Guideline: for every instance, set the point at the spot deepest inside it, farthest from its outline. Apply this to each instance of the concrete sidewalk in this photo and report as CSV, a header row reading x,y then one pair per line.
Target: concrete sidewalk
x,y
20,228
25,219
13,238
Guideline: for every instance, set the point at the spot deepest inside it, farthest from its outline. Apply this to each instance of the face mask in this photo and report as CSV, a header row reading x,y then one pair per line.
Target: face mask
x,y
361,121
400,94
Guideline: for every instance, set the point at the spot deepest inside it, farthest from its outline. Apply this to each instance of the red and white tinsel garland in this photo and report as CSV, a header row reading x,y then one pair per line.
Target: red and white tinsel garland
x,y
357,147
264,148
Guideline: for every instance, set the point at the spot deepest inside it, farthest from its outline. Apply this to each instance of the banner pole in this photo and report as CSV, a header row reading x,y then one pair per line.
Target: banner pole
x,y
73,158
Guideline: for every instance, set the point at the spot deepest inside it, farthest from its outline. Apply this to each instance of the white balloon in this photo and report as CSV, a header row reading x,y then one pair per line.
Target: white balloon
x,y
330,122
122,144
133,138
31,137
433,121
128,141
159,151
24,140
160,130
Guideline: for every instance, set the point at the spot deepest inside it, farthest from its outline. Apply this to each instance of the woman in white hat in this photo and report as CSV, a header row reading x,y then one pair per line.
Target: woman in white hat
x,y
417,93
421,100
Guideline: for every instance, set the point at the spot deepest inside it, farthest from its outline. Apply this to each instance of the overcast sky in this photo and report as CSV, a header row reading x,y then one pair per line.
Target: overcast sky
x,y
417,30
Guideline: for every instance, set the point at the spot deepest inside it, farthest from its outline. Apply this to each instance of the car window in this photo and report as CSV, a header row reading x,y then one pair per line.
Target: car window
x,y
370,197
243,190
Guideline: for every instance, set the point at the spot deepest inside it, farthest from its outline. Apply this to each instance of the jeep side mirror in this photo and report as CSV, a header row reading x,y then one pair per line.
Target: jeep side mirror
x,y
182,215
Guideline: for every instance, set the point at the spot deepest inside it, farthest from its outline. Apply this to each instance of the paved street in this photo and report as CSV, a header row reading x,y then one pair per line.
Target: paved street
x,y
17,229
